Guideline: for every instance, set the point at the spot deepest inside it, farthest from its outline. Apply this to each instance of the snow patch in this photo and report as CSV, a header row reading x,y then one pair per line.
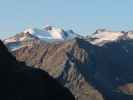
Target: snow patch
x,y
106,37
50,32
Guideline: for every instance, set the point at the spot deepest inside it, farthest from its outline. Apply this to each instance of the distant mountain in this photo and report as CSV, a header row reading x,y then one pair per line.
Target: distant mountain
x,y
20,82
96,67
17,41
47,34
103,36
50,32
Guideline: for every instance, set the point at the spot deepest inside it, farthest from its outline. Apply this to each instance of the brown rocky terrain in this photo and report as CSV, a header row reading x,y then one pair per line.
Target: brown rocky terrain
x,y
21,82
91,71
62,60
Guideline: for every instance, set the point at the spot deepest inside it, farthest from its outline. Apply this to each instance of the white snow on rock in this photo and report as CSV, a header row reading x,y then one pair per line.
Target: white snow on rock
x,y
56,33
37,32
50,32
104,36
130,34
10,40
15,39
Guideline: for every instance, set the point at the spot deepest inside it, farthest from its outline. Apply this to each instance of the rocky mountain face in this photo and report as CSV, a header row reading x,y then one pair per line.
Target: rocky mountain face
x,y
20,82
98,67
64,61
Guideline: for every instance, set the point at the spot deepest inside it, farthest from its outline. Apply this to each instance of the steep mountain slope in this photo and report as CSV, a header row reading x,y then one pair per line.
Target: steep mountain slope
x,y
114,65
93,68
64,61
20,82
80,66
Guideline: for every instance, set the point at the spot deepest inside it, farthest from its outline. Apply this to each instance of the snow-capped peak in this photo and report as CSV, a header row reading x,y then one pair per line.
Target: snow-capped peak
x,y
56,33
29,30
37,32
46,33
51,32
101,37
18,38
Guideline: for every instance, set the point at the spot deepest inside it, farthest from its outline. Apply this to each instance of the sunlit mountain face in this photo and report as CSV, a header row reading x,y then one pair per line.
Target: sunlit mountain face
x,y
20,81
95,67
47,34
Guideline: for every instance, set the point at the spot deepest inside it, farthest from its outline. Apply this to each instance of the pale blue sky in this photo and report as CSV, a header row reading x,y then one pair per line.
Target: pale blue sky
x,y
83,16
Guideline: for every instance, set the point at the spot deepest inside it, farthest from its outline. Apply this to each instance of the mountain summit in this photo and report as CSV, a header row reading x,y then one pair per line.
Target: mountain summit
x,y
103,36
51,32
46,34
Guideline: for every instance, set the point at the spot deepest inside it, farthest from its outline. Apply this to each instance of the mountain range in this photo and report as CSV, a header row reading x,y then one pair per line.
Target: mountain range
x,y
95,67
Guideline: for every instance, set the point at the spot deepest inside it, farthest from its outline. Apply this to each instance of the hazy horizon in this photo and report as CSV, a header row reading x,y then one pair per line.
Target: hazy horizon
x,y
82,16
